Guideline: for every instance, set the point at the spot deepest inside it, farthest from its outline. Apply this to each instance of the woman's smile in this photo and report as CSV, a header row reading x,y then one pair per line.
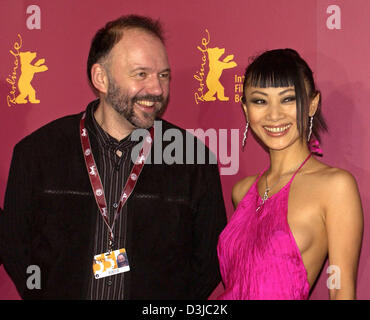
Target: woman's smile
x,y
277,131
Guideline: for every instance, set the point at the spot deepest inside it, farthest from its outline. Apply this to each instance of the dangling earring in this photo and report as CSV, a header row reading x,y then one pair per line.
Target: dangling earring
x,y
310,129
245,134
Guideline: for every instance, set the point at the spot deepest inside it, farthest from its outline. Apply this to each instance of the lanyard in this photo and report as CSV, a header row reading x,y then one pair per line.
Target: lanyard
x,y
95,180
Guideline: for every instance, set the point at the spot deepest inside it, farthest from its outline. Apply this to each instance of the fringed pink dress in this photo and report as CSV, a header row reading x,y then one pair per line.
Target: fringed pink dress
x,y
259,258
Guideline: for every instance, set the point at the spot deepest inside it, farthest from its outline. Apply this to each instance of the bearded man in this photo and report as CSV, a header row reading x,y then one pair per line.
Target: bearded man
x,y
76,198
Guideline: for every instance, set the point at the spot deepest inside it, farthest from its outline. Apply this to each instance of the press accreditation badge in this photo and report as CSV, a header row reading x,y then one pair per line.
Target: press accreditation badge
x,y
110,263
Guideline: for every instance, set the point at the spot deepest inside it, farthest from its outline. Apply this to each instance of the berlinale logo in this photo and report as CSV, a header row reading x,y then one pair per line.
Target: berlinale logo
x,y
215,69
22,90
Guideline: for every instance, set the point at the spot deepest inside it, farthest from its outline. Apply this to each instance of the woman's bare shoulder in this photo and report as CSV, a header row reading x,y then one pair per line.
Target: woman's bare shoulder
x,y
241,188
335,185
333,178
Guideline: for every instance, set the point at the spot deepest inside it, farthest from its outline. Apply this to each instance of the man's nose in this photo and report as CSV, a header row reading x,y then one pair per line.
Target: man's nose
x,y
155,86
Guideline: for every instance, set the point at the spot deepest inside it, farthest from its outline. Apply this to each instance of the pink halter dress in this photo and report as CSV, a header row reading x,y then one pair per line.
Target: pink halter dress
x,y
259,258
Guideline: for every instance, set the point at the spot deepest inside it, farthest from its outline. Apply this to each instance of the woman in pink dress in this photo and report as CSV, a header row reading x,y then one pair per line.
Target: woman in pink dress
x,y
298,210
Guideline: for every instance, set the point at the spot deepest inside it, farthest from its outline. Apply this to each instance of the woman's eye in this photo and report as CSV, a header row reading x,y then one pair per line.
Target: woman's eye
x,y
258,101
289,99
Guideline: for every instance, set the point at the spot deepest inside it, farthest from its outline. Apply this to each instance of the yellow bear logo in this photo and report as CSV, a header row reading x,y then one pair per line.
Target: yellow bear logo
x,y
216,67
28,71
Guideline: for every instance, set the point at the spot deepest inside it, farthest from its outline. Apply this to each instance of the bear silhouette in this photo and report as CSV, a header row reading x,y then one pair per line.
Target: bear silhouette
x,y
27,72
216,67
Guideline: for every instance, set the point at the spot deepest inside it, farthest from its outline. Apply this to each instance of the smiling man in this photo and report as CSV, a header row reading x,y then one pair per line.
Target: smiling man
x,y
76,200
132,79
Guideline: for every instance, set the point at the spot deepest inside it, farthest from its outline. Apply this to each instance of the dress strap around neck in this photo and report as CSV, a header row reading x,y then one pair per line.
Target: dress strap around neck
x,y
299,168
260,174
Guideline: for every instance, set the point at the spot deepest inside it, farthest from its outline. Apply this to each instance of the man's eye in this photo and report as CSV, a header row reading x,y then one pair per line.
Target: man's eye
x,y
165,75
141,74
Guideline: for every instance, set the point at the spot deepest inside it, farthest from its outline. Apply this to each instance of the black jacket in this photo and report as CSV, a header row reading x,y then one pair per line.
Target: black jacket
x,y
175,215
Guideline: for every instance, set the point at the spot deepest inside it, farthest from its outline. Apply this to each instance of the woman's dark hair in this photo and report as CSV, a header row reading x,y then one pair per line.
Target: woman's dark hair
x,y
105,39
285,68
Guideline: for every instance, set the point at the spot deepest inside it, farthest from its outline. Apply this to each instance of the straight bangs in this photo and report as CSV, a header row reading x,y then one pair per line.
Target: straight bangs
x,y
270,79
268,72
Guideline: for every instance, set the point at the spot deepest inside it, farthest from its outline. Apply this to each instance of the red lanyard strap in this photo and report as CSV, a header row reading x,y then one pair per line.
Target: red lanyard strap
x,y
95,180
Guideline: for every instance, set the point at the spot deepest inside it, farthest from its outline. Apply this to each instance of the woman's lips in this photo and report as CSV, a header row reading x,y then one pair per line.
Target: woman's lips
x,y
277,131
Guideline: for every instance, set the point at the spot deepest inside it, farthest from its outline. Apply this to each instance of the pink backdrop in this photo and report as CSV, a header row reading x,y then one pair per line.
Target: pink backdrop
x,y
339,58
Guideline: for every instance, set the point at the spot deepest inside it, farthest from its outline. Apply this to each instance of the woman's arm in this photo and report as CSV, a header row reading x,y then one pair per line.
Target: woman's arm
x,y
344,224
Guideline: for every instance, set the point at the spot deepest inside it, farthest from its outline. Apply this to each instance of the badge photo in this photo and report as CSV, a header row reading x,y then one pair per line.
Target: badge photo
x,y
110,263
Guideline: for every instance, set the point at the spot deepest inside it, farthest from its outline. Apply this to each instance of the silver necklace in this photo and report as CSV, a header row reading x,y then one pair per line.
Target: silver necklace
x,y
266,193
268,189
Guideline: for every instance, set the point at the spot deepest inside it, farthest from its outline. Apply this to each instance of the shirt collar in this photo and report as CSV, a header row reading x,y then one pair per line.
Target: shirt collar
x,y
105,140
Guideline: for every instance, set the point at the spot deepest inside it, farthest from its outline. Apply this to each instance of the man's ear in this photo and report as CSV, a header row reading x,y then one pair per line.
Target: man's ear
x,y
99,78
314,104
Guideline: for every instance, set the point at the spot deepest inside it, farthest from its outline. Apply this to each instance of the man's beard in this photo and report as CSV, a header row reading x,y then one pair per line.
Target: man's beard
x,y
124,105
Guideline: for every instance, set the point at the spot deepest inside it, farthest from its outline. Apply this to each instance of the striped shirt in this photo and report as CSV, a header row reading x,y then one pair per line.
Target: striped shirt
x,y
113,170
